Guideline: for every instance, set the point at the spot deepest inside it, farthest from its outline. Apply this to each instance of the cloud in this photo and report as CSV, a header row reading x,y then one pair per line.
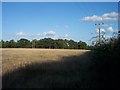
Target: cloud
x,y
107,24
35,35
110,29
109,19
108,36
101,30
66,35
20,34
113,16
92,18
49,33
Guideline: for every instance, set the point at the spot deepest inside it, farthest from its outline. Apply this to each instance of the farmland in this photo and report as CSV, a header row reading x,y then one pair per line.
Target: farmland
x,y
47,68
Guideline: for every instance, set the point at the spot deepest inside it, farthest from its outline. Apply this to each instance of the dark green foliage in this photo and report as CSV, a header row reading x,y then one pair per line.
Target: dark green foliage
x,y
90,47
45,43
1,44
107,63
82,45
8,44
23,43
73,44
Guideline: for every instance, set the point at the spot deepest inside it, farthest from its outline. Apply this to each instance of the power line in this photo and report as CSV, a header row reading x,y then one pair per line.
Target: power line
x,y
99,27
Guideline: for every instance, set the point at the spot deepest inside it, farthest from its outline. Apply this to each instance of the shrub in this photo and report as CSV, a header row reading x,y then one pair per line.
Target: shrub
x,y
107,63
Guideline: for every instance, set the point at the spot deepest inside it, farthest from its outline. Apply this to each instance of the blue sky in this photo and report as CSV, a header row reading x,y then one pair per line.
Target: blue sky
x,y
60,0
0,20
66,20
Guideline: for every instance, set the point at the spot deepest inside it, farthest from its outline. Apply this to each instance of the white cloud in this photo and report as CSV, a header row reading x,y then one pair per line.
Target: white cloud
x,y
110,29
113,16
20,34
66,35
35,35
101,30
109,19
108,36
49,33
107,25
92,18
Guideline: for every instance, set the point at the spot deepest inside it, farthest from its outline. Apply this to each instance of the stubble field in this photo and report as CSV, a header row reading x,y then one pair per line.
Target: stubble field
x,y
46,68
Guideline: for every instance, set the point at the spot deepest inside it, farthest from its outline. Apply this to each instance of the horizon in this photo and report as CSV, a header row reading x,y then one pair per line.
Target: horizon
x,y
58,20
41,39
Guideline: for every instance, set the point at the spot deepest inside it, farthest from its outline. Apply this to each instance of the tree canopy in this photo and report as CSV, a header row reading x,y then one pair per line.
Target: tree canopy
x,y
44,43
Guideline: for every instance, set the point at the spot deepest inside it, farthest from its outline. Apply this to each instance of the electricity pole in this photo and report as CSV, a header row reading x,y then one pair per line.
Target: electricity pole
x,y
33,44
99,27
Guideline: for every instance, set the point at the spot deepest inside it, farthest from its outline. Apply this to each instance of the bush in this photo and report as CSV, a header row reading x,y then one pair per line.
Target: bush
x,y
107,64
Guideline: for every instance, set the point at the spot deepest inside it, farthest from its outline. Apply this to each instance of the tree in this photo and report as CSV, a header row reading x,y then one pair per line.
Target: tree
x,y
1,44
44,43
34,43
12,44
82,45
23,43
73,44
60,43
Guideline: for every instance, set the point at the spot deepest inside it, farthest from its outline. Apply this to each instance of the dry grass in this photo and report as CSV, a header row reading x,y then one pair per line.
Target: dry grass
x,y
15,58
47,68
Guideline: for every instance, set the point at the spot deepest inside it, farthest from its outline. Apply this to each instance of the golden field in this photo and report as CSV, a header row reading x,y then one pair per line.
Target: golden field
x,y
47,68
15,58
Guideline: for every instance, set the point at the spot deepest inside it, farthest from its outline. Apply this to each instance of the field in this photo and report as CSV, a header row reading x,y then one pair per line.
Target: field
x,y
47,68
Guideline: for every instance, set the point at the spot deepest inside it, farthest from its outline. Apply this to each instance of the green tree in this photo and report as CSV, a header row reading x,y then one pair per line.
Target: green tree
x,y
73,44
1,44
44,43
82,45
23,43
12,44
60,43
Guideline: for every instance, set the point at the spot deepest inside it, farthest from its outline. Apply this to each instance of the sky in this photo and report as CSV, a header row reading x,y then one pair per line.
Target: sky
x,y
58,20
60,0
0,20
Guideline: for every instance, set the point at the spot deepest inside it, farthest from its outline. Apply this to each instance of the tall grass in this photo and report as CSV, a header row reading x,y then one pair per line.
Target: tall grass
x,y
73,70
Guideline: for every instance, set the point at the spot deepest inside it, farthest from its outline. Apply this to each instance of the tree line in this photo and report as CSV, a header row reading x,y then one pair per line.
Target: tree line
x,y
45,43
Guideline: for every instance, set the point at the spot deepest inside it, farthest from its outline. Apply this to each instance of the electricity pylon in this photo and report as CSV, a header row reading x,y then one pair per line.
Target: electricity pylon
x,y
33,44
99,28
